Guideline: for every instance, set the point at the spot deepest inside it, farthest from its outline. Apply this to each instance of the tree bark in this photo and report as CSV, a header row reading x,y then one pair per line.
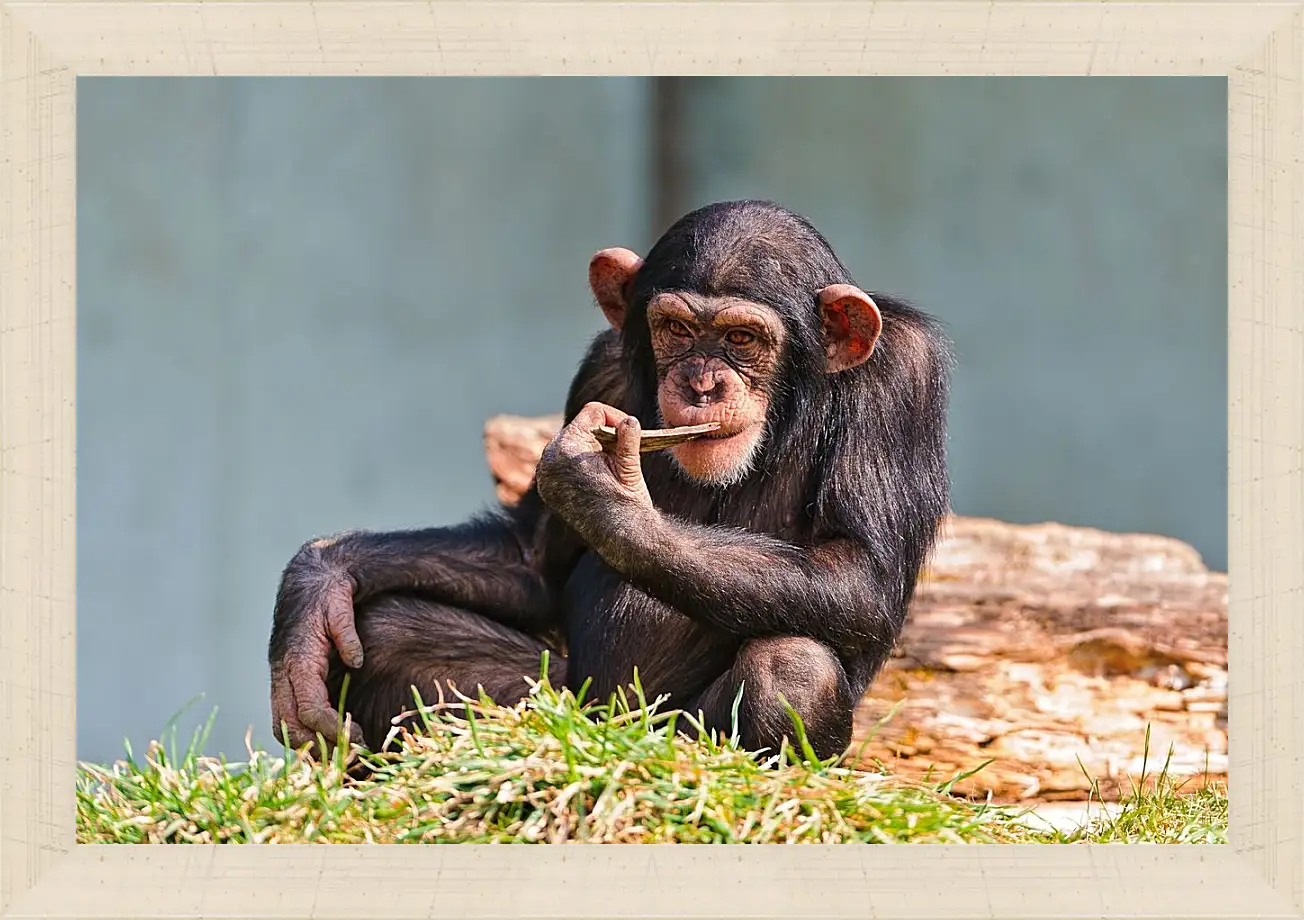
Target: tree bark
x,y
1047,649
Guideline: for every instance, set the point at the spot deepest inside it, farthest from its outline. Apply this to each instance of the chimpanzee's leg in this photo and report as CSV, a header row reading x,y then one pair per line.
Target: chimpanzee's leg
x,y
806,673
410,642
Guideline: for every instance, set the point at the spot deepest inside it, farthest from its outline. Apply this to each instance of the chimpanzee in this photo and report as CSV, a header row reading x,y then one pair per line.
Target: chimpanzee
x,y
778,554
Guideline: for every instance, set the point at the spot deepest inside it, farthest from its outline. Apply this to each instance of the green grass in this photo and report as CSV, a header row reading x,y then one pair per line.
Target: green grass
x,y
555,769
1158,809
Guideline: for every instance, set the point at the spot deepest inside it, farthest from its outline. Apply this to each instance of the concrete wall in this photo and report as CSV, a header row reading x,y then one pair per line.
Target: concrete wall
x,y
298,300
295,314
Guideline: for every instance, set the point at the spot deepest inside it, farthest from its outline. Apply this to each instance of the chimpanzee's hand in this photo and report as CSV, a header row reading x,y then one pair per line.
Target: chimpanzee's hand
x,y
578,479
314,611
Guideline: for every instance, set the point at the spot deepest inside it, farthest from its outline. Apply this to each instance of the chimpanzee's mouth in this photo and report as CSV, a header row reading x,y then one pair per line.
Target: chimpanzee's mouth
x,y
714,436
723,432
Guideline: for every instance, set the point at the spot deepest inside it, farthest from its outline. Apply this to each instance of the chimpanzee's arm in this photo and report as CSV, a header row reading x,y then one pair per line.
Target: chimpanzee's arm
x,y
486,566
749,584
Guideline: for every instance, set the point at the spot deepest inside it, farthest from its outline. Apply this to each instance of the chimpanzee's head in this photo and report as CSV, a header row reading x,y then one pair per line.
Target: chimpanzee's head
x,y
737,307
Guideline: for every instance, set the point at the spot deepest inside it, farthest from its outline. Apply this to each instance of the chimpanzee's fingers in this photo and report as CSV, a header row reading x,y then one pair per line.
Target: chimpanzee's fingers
x,y
312,704
595,415
286,728
340,625
288,733
609,414
578,437
292,733
629,468
327,722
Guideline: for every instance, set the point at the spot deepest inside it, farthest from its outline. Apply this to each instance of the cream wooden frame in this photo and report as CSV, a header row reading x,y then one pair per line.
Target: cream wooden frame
x,y
45,45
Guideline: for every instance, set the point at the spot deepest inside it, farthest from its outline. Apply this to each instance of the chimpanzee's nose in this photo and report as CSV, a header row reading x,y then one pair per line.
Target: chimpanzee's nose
x,y
706,385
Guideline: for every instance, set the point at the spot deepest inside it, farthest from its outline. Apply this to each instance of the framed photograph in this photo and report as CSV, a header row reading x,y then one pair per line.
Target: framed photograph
x,y
633,425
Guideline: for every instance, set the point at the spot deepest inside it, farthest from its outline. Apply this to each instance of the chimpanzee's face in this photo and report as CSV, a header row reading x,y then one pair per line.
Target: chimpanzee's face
x,y
716,360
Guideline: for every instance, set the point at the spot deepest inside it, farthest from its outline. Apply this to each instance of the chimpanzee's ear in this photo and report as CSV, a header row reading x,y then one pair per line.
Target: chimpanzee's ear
x,y
852,324
610,272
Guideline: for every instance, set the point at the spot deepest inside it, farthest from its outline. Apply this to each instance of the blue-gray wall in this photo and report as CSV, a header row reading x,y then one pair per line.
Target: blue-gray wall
x,y
298,301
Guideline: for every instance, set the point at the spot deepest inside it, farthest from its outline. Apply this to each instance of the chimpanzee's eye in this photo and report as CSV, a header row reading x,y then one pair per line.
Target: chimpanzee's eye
x,y
678,328
740,337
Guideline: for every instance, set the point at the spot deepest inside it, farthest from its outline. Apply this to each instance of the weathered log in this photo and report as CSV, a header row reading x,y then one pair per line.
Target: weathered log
x,y
1045,648
512,445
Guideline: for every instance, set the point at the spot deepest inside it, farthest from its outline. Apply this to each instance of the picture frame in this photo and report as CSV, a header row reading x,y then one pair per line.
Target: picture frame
x,y
45,46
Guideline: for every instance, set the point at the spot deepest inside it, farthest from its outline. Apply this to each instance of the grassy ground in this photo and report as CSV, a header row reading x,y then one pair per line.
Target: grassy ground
x,y
555,770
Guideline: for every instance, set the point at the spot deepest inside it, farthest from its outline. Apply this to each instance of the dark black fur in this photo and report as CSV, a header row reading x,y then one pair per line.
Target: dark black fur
x,y
795,581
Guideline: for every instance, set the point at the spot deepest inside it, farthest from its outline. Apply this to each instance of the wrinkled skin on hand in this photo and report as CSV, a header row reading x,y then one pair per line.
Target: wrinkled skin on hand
x,y
314,609
586,485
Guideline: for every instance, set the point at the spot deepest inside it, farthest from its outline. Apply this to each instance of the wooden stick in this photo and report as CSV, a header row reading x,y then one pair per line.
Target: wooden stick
x,y
657,439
